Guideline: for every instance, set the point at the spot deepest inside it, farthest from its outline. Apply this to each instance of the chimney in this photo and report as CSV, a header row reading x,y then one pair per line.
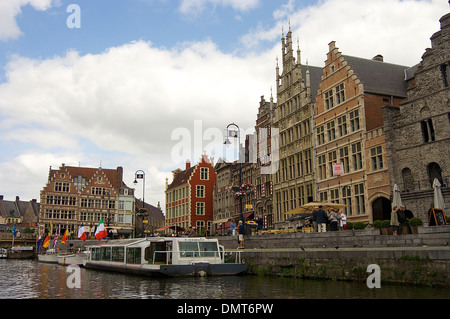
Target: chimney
x,y
119,176
188,164
378,57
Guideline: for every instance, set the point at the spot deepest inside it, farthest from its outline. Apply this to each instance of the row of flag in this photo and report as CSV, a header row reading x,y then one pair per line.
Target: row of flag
x,y
100,233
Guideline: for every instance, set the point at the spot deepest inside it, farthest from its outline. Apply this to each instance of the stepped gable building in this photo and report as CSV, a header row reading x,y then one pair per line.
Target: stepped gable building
x,y
150,220
351,161
189,197
264,169
23,213
418,131
76,195
294,180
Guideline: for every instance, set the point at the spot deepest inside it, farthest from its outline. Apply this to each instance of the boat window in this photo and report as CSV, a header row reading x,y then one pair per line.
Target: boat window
x,y
117,254
188,249
134,255
208,249
105,253
95,253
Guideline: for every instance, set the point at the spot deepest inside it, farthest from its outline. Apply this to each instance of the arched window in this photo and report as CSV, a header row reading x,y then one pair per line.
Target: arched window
x,y
408,180
434,171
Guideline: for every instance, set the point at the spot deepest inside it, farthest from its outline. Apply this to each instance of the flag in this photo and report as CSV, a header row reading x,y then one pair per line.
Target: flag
x,y
100,232
66,233
55,241
13,229
38,241
46,241
81,233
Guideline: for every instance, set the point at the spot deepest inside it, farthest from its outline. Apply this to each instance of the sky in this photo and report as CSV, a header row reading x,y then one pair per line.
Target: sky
x,y
149,84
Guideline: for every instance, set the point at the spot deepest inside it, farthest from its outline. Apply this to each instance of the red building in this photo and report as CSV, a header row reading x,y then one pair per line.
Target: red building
x,y
189,198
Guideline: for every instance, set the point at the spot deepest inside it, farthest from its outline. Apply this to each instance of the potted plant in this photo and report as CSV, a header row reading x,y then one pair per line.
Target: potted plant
x,y
378,224
386,228
405,228
414,224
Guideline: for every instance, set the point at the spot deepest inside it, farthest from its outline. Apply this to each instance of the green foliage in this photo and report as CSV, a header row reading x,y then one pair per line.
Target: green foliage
x,y
415,221
359,225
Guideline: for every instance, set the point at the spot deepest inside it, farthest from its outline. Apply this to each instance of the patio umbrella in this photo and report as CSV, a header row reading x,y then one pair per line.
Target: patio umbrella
x,y
309,208
438,198
396,200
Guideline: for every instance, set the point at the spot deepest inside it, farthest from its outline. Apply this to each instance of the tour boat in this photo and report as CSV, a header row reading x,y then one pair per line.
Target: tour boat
x,y
167,256
49,256
3,253
72,259
21,252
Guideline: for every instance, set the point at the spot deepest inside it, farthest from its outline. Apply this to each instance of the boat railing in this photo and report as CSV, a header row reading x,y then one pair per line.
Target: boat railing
x,y
223,256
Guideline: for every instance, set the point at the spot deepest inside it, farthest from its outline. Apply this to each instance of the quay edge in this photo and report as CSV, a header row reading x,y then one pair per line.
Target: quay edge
x,y
421,259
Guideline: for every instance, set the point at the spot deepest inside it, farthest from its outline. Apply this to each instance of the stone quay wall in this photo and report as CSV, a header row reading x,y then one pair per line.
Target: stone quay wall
x,y
417,259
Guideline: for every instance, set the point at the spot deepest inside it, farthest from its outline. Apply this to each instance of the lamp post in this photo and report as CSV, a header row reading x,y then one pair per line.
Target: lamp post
x,y
140,174
236,134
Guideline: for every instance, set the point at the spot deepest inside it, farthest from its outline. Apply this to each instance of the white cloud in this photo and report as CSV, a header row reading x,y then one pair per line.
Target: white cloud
x,y
195,7
398,30
9,9
127,101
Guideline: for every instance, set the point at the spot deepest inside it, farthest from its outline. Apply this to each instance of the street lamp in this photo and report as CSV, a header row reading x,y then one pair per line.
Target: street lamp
x,y
236,134
140,174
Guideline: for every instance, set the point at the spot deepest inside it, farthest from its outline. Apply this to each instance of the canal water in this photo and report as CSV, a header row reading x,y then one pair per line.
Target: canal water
x,y
29,279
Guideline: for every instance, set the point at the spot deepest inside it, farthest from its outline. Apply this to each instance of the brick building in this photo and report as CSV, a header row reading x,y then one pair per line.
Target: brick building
x,y
23,213
294,181
76,195
418,131
189,197
349,135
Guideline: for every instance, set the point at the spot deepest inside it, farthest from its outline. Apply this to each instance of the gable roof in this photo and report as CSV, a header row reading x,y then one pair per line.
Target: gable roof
x,y
379,77
113,175
181,177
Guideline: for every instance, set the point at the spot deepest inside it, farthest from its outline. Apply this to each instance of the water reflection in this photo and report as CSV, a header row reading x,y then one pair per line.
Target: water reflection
x,y
29,280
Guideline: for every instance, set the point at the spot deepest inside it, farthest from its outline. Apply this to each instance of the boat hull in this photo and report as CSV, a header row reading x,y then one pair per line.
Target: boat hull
x,y
167,270
73,259
48,258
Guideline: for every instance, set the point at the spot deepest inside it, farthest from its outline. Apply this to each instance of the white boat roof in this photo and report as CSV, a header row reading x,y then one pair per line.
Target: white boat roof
x,y
139,242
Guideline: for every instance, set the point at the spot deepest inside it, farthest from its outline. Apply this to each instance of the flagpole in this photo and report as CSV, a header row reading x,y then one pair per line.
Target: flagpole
x,y
13,234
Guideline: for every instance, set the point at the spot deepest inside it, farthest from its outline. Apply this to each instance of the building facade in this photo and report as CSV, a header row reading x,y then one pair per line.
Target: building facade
x,y
24,213
224,203
263,185
82,195
350,149
418,131
294,180
189,197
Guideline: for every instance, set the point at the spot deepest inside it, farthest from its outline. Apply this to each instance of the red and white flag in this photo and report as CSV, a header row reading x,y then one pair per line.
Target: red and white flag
x,y
81,233
100,232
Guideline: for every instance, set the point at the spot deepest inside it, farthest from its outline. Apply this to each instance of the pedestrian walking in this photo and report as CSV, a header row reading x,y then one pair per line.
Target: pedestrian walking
x,y
394,221
314,218
343,220
333,218
321,219
241,235
401,218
